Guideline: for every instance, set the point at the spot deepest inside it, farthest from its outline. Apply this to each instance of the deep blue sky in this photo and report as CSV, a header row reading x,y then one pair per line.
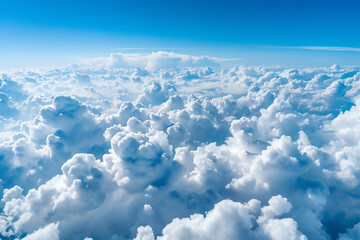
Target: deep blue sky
x,y
41,32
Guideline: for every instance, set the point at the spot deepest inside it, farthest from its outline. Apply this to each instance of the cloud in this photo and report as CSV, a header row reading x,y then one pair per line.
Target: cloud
x,y
353,233
169,146
325,48
232,220
50,232
6,106
144,233
158,60
228,220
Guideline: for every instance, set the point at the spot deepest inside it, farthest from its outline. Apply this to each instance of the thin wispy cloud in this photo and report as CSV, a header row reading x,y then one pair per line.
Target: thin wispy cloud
x,y
152,48
326,48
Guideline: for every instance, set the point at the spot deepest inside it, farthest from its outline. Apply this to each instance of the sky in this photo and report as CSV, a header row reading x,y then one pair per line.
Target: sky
x,y
41,32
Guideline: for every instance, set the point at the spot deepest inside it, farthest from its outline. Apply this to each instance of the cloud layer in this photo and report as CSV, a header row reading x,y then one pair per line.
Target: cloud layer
x,y
169,146
157,60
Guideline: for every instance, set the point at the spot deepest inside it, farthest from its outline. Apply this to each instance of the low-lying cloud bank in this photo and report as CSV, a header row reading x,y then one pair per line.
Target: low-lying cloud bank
x,y
157,60
170,148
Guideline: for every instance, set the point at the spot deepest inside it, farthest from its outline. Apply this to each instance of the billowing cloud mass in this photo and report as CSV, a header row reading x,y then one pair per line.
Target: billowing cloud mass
x,y
157,60
168,146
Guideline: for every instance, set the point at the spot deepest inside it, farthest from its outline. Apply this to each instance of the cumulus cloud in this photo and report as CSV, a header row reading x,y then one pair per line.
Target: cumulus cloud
x,y
233,220
157,60
228,220
171,146
50,232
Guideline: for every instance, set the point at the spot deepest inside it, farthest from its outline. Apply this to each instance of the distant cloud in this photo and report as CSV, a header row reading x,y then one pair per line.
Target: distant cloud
x,y
157,60
324,48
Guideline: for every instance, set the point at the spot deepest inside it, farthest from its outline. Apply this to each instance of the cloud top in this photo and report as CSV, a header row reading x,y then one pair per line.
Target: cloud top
x,y
168,146
158,60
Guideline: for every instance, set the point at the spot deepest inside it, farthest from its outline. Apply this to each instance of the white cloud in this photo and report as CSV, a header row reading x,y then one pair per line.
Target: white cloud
x,y
228,220
283,229
327,48
170,146
158,60
144,233
50,232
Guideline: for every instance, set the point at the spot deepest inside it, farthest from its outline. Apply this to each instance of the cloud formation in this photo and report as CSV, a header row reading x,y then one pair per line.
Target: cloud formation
x,y
157,60
171,147
322,48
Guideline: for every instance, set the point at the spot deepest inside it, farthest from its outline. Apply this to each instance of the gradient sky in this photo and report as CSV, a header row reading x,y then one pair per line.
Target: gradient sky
x,y
50,32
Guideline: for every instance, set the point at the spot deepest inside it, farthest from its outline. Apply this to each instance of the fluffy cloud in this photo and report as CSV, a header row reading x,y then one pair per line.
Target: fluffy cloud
x,y
50,232
233,220
158,60
171,146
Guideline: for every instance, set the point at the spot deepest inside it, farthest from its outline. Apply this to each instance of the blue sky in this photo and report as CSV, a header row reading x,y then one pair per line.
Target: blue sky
x,y
43,32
